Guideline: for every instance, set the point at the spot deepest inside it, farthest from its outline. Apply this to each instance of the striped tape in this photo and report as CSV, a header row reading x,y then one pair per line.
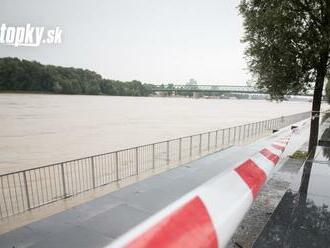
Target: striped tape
x,y
209,215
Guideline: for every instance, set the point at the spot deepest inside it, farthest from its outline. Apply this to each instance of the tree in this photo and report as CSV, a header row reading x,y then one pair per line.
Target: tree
x,y
23,75
288,48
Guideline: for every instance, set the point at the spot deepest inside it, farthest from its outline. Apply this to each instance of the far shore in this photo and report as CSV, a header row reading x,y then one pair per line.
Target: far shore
x,y
295,98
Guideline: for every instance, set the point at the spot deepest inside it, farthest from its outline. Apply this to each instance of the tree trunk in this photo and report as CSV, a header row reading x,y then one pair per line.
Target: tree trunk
x,y
317,97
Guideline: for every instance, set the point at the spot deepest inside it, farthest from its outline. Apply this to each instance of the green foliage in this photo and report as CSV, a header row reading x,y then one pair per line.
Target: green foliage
x,y
299,155
23,75
288,43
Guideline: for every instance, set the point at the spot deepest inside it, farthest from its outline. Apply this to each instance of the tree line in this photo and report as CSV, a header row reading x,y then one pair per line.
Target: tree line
x,y
24,75
32,76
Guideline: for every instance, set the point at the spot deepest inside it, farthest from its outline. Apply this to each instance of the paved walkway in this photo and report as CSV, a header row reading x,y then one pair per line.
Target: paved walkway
x,y
302,219
98,222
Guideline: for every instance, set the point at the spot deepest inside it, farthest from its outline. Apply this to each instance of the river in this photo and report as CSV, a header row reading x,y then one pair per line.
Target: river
x,y
38,129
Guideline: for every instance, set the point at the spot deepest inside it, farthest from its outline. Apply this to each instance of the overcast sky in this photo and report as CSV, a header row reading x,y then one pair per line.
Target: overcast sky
x,y
156,41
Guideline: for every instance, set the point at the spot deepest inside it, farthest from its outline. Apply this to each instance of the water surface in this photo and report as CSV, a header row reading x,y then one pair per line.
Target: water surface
x,y
42,129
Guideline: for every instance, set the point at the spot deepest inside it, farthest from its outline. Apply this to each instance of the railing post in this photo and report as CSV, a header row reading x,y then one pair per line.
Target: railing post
x,y
190,146
26,191
168,152
256,129
153,156
258,123
235,134
93,171
200,144
137,161
63,180
245,132
257,132
242,133
239,134
180,146
275,124
223,138
117,166
216,139
253,126
208,141
229,136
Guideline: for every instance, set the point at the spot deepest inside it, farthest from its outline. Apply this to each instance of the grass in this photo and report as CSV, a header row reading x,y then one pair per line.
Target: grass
x,y
299,155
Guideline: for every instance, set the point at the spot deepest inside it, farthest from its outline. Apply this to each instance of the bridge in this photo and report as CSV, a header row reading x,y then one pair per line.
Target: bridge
x,y
209,88
240,89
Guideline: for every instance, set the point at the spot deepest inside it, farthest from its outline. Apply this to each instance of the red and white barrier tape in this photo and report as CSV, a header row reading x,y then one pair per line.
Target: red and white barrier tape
x,y
209,215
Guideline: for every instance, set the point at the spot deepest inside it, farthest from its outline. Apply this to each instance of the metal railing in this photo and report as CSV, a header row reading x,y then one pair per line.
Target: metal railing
x,y
31,188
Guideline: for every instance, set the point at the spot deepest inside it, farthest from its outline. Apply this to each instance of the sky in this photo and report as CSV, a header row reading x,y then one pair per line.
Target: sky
x,y
153,41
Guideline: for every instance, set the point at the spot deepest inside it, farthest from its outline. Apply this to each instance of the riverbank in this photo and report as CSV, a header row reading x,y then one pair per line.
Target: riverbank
x,y
228,97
